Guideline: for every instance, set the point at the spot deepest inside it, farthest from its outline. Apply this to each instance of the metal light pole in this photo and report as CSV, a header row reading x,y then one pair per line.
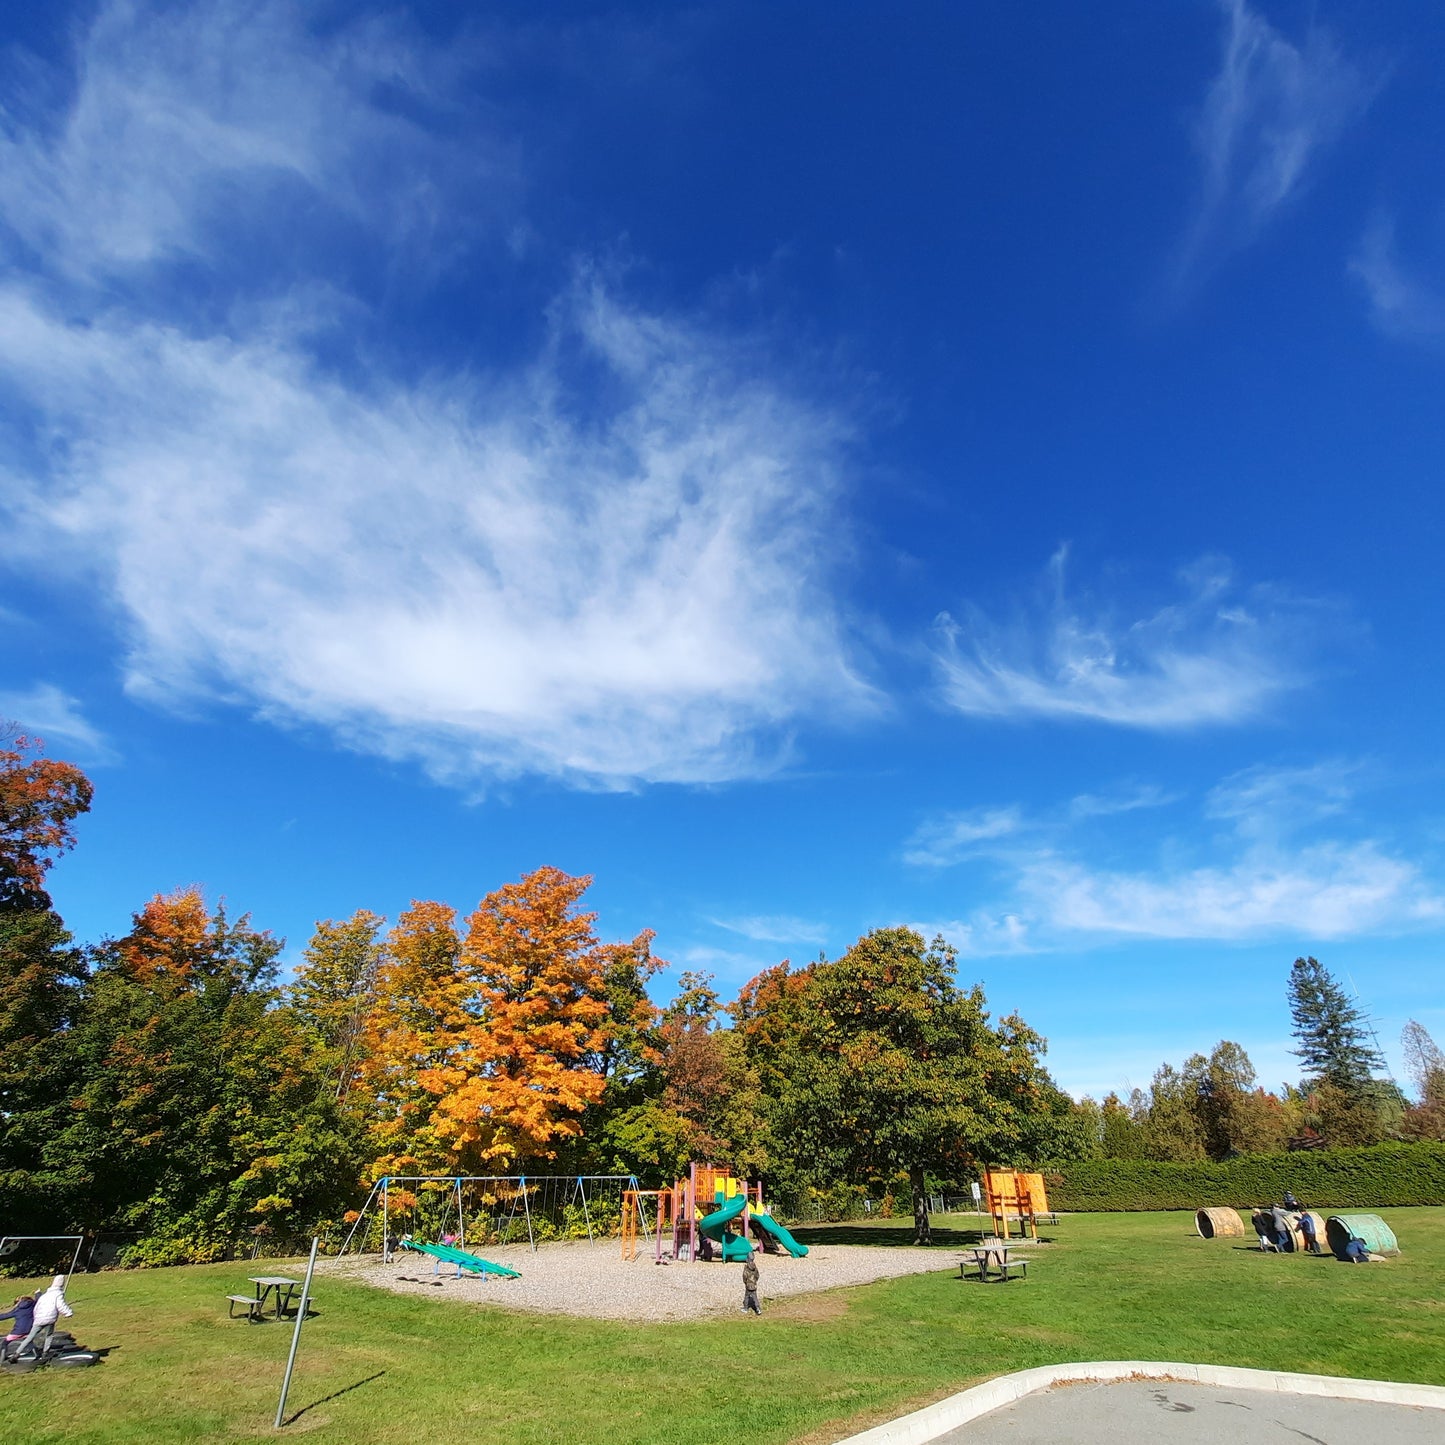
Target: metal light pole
x,y
296,1335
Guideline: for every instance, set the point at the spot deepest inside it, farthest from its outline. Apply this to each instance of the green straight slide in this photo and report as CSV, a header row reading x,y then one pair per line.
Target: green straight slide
x,y
714,1226
769,1225
461,1259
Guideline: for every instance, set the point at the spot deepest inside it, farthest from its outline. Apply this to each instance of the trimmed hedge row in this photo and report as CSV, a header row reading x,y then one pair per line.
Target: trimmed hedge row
x,y
1385,1175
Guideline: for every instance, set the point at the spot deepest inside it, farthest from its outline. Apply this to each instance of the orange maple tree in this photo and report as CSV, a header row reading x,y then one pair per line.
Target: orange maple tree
x,y
169,938
176,944
411,1029
528,1020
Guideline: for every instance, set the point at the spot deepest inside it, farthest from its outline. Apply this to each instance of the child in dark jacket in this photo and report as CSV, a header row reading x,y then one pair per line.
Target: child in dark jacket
x,y
23,1313
750,1286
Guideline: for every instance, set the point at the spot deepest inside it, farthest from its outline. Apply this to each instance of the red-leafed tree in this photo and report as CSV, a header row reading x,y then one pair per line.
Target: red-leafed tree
x,y
39,800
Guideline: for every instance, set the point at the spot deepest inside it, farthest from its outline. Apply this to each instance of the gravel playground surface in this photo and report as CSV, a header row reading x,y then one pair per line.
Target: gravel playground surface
x,y
593,1279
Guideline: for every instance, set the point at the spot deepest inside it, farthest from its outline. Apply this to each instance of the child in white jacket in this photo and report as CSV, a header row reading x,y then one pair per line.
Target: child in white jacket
x,y
49,1308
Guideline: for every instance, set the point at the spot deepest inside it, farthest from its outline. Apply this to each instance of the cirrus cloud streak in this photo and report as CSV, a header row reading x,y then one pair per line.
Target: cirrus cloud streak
x,y
1220,654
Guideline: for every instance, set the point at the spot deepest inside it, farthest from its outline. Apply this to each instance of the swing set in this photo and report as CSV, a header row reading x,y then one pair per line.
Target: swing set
x,y
492,1209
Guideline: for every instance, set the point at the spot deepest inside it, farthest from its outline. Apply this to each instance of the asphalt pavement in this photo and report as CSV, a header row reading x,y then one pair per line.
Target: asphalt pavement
x,y
1164,1412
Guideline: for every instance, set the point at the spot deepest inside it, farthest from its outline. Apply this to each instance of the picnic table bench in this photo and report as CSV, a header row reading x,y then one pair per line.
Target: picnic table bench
x,y
281,1286
999,1253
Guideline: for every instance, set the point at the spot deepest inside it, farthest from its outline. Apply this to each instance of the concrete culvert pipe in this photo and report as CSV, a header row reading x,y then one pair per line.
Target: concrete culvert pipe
x,y
1221,1223
1370,1229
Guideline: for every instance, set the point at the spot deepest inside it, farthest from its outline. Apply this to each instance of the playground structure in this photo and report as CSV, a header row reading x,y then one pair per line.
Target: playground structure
x,y
493,1209
708,1210
1012,1195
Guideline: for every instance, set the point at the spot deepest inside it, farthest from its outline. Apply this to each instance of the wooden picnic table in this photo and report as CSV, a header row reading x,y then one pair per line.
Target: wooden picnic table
x,y
284,1287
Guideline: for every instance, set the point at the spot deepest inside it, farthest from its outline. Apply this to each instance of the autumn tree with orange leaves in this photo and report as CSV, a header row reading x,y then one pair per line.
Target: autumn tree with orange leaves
x,y
411,1031
526,1019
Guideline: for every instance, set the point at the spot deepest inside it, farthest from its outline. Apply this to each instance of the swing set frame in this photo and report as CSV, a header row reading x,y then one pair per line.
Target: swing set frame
x,y
520,1184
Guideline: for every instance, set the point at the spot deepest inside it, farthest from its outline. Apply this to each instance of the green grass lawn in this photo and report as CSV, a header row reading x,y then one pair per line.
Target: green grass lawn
x,y
391,1368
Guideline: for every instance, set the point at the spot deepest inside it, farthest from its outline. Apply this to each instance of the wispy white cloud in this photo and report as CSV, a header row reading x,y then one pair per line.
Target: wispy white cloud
x,y
951,837
1123,800
44,711
608,563
984,935
1285,862
1221,654
1009,831
731,967
186,123
775,929
470,576
1270,802
1403,302
1326,891
1273,108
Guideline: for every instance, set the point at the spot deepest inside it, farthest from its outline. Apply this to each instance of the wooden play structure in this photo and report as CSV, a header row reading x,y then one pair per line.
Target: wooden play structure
x,y
1012,1195
709,1212
634,1217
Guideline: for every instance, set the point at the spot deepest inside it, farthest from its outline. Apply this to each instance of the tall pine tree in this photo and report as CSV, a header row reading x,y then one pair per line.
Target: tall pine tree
x,y
1334,1037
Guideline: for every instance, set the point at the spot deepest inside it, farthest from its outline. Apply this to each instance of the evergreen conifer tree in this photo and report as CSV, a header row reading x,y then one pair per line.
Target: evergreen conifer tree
x,y
1333,1034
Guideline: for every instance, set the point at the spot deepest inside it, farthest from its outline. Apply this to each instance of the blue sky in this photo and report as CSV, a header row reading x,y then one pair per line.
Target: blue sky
x,y
813,467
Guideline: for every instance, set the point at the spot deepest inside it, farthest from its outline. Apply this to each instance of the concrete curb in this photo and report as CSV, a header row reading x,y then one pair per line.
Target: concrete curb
x,y
935,1420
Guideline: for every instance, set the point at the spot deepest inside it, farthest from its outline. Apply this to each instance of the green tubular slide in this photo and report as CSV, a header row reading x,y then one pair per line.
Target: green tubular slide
x,y
461,1259
769,1225
714,1226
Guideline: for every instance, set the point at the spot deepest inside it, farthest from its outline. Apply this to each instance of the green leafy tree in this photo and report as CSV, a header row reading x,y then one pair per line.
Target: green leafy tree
x,y
198,1117
1234,1116
1171,1127
1334,1037
882,1065
629,1130
1121,1126
410,1030
41,979
1343,1119
334,990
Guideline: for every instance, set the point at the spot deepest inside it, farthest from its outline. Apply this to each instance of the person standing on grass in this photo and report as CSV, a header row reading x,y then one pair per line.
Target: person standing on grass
x,y
750,1286
1283,1227
48,1309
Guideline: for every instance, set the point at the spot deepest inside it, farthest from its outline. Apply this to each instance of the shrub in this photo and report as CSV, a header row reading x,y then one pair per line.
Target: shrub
x,y
1384,1176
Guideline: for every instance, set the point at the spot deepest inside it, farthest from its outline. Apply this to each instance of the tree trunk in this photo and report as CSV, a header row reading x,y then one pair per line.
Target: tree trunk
x,y
922,1234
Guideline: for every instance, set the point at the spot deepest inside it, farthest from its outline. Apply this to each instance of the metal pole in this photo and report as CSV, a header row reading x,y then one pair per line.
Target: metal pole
x,y
296,1334
585,1214
641,1212
528,1209
461,1218
386,1219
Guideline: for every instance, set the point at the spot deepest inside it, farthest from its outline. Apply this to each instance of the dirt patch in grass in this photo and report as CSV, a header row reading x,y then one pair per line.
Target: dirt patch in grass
x,y
814,1309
